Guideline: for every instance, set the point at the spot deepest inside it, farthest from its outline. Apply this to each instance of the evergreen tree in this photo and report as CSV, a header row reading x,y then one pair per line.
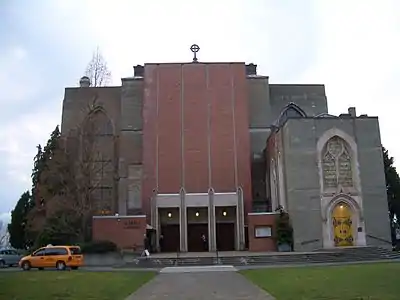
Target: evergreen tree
x,y
392,187
52,144
19,215
41,161
38,165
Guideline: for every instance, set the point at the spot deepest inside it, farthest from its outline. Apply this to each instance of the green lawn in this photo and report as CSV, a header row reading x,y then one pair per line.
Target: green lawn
x,y
352,282
77,285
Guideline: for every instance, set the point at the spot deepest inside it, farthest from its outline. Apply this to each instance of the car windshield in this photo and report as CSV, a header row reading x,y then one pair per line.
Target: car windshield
x,y
75,250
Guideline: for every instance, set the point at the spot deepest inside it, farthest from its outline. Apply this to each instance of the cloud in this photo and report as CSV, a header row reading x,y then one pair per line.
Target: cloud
x,y
351,47
40,57
357,59
5,218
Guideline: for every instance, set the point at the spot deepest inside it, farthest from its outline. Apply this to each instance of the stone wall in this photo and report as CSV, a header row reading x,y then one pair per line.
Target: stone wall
x,y
303,187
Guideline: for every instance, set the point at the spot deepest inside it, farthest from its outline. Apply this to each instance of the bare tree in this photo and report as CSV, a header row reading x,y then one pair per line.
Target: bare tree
x,y
77,176
4,238
97,70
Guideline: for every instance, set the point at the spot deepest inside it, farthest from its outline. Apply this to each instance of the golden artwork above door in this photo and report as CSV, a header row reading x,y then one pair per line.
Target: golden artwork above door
x,y
342,225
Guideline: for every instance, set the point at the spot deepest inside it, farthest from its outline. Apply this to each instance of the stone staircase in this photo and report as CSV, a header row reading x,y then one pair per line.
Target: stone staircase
x,y
356,254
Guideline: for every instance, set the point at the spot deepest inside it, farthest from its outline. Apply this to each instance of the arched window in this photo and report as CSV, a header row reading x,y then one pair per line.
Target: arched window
x,y
98,157
291,110
337,164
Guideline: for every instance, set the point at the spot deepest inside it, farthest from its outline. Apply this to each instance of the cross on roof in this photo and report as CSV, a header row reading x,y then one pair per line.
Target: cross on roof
x,y
195,48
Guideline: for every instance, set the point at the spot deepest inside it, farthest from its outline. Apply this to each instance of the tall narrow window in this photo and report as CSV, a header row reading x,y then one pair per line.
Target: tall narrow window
x,y
97,155
337,164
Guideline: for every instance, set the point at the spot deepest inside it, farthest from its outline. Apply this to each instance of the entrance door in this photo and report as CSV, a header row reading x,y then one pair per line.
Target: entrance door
x,y
225,236
195,231
171,235
342,225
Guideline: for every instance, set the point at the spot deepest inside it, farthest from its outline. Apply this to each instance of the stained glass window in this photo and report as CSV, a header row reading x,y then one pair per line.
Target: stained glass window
x,y
337,164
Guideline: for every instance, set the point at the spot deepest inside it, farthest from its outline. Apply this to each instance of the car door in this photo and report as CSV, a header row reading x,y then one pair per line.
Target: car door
x,y
14,257
3,256
8,259
37,258
51,257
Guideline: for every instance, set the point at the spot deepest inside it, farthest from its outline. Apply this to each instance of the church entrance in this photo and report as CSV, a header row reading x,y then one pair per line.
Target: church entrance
x,y
225,228
342,225
225,233
197,226
169,228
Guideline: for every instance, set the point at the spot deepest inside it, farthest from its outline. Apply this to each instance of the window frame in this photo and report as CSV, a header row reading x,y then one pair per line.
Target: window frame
x,y
35,254
258,227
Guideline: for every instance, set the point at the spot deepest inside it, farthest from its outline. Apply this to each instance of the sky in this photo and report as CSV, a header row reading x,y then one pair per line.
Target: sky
x,y
353,47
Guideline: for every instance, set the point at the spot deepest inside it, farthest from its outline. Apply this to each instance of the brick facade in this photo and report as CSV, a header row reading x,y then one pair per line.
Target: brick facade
x,y
255,220
127,232
195,131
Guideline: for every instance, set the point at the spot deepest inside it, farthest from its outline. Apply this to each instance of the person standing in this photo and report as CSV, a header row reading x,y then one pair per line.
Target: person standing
x,y
204,241
146,246
161,243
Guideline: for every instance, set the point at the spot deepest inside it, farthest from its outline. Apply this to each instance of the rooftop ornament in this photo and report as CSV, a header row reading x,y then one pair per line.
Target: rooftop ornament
x,y
195,48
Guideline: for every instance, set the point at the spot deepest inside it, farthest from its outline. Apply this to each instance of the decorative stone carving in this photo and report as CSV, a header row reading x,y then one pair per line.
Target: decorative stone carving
x,y
345,170
337,164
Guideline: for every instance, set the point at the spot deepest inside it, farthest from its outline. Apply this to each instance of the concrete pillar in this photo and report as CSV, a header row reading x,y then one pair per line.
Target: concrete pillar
x,y
183,221
155,219
237,228
240,220
212,238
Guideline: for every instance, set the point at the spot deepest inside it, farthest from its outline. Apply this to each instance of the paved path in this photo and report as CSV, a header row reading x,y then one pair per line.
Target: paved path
x,y
196,286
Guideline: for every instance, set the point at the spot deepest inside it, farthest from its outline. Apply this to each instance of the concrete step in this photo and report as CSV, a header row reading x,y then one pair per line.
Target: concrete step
x,y
192,269
340,255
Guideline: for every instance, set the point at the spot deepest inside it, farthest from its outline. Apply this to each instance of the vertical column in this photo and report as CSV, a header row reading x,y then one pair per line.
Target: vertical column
x,y
212,239
122,196
155,218
240,219
183,221
122,187
237,227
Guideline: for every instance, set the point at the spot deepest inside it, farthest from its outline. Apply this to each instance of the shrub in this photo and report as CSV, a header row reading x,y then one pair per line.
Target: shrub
x,y
283,227
98,247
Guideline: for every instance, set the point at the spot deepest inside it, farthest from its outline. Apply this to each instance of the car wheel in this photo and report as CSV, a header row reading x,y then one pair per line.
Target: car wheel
x,y
2,264
74,268
41,269
26,266
60,265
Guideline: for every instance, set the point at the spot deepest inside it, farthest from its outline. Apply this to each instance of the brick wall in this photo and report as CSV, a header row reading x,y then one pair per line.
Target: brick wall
x,y
261,244
127,232
195,129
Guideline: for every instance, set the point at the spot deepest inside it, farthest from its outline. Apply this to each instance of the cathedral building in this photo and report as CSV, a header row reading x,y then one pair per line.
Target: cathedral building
x,y
214,149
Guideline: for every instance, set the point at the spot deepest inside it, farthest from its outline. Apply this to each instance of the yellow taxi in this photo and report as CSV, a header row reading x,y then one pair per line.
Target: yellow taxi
x,y
60,257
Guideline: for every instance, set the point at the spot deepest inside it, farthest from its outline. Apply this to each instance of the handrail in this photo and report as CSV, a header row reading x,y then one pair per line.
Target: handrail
x,y
309,242
379,239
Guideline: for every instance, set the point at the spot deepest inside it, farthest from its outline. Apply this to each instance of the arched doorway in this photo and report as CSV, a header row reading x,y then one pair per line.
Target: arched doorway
x,y
342,225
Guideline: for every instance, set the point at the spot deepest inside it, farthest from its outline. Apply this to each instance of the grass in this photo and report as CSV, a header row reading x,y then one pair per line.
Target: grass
x,y
77,285
351,282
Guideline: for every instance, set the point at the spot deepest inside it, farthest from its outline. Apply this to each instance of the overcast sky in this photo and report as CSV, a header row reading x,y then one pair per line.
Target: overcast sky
x,y
353,47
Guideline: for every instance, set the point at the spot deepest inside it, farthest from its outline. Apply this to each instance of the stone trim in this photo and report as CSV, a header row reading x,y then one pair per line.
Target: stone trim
x,y
262,213
321,143
119,217
328,204
179,201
